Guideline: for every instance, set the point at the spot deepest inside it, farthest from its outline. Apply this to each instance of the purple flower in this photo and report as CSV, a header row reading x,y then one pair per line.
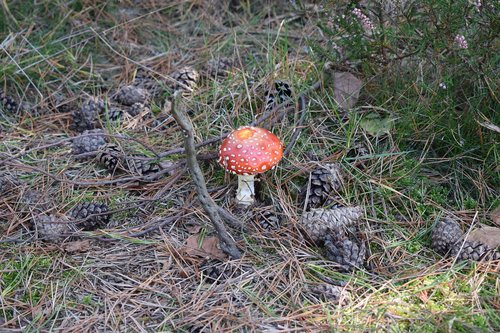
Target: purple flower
x,y
365,20
461,42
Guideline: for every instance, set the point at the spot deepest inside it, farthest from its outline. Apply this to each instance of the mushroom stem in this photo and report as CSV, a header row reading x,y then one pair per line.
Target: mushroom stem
x,y
246,192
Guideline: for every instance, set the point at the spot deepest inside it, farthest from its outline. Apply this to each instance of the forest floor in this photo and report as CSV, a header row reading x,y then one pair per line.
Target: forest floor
x,y
155,266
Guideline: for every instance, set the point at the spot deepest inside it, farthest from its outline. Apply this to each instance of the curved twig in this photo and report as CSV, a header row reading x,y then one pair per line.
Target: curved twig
x,y
227,243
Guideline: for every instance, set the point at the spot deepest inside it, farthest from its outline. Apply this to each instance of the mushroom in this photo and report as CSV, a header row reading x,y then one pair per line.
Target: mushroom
x,y
246,152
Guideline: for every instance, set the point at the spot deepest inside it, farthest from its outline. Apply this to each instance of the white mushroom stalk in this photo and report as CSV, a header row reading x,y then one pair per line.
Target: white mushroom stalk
x,y
246,152
246,190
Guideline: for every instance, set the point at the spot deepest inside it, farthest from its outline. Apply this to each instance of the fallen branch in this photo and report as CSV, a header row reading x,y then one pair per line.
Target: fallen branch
x,y
227,243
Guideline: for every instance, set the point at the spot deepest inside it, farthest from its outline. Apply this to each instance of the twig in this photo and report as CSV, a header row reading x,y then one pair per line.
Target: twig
x,y
227,243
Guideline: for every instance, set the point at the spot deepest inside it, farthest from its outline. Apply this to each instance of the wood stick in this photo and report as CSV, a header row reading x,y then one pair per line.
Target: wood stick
x,y
226,241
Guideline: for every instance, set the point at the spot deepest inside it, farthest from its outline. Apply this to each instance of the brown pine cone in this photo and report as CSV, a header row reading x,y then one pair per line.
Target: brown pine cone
x,y
280,93
445,235
7,102
129,95
187,79
330,293
111,156
142,168
86,117
145,80
472,250
325,180
348,254
138,108
90,215
88,141
52,228
112,113
318,222
268,219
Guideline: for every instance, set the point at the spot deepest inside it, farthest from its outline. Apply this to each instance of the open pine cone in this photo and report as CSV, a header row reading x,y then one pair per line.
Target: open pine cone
x,y
111,156
90,215
347,253
218,67
318,222
280,93
448,239
187,79
86,117
445,235
325,180
52,228
88,141
268,219
7,102
129,95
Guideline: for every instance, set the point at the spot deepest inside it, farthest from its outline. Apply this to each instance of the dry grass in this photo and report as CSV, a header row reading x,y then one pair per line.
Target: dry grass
x,y
136,275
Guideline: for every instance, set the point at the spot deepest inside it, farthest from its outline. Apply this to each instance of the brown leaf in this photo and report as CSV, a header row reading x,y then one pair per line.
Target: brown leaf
x,y
209,247
193,228
346,88
489,236
495,216
77,246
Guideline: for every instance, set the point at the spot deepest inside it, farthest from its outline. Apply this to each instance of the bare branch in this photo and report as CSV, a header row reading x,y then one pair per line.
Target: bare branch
x,y
227,243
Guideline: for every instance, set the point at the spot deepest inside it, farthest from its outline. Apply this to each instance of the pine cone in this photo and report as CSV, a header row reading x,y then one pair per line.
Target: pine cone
x,y
138,108
86,117
112,113
187,78
348,254
218,67
52,228
318,222
472,250
129,95
268,219
90,215
330,293
7,102
35,201
144,80
111,156
214,270
142,168
445,235
88,141
281,93
324,181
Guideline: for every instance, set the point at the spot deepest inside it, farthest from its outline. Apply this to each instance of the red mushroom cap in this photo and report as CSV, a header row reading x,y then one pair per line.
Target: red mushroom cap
x,y
250,150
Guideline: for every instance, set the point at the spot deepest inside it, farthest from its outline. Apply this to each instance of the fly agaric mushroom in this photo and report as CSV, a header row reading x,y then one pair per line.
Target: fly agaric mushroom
x,y
246,152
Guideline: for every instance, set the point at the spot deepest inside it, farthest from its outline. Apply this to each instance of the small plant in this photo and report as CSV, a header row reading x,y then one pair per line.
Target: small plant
x,y
431,63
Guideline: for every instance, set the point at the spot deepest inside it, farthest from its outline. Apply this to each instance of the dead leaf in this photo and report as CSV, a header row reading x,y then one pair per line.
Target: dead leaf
x,y
209,247
77,246
487,235
193,228
495,216
346,88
